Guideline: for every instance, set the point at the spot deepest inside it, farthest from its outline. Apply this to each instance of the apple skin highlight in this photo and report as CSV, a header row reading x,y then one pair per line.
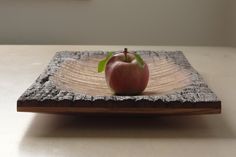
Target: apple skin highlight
x,y
124,76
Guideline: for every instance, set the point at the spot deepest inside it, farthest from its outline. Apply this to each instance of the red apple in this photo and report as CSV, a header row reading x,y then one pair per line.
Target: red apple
x,y
124,75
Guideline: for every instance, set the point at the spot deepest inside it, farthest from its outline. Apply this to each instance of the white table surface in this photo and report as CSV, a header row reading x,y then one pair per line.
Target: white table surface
x,y
30,134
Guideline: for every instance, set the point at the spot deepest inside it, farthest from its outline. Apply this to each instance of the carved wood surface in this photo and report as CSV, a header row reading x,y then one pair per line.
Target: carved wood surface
x,y
71,84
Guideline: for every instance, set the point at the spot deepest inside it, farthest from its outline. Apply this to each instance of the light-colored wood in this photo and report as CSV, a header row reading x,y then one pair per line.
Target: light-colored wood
x,y
82,76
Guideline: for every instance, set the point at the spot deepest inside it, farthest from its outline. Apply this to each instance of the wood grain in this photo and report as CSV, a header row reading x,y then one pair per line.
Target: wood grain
x,y
77,76
71,84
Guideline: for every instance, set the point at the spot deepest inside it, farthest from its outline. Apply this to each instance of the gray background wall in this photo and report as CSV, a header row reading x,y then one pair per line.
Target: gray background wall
x,y
144,22
233,25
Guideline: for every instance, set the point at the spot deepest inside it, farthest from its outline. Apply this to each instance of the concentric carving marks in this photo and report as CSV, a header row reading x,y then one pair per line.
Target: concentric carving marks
x,y
82,77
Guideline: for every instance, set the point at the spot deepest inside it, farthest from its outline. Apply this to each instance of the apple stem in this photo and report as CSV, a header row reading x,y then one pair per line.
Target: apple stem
x,y
125,53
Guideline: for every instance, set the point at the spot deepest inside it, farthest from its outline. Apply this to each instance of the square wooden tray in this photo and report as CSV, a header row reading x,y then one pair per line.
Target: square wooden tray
x,y
71,84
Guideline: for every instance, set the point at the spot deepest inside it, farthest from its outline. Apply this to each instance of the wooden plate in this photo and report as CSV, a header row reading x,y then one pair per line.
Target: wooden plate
x,y
71,84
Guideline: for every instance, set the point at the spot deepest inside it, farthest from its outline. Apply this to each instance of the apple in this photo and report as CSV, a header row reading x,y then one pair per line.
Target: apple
x,y
124,74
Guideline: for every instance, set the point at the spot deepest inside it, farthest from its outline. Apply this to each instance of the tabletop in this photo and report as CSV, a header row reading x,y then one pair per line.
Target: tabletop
x,y
34,134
